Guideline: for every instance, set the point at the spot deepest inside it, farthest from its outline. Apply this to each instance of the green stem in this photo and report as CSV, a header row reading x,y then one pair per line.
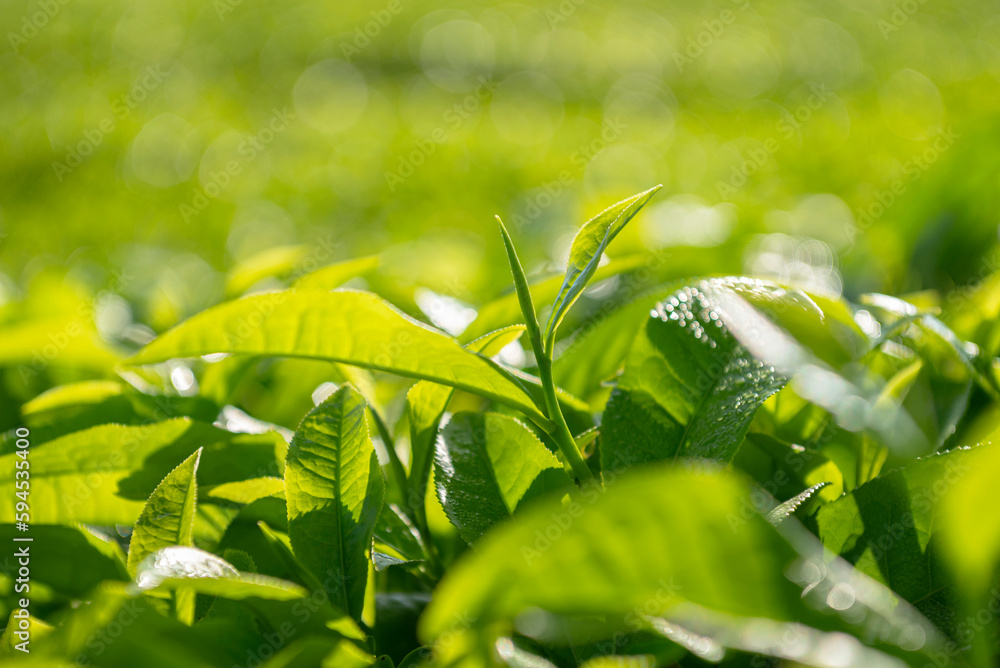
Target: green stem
x,y
430,549
416,512
562,435
543,356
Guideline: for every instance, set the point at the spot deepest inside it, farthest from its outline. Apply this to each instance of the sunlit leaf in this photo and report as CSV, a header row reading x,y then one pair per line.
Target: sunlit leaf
x,y
102,475
172,568
586,252
334,275
506,310
426,403
888,530
21,631
786,508
78,406
345,326
689,388
247,491
487,466
168,516
617,552
278,261
334,488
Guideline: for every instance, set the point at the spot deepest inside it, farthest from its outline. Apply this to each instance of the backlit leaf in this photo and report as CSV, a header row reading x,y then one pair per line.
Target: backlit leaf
x,y
689,388
588,247
168,516
334,487
352,327
487,466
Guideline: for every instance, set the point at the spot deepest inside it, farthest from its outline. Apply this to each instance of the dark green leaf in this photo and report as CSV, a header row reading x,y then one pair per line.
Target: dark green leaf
x,y
887,529
487,466
397,531
70,559
689,388
426,403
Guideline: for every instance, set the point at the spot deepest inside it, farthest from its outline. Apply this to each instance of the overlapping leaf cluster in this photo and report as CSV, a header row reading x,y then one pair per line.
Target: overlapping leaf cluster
x,y
708,470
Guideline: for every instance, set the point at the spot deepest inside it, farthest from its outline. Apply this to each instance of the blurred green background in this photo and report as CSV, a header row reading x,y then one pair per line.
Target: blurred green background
x,y
150,149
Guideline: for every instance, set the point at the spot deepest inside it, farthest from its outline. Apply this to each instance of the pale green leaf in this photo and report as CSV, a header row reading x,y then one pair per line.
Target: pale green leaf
x,y
75,394
658,542
332,276
627,549
77,478
80,346
352,327
278,261
588,247
506,310
174,568
523,292
334,488
167,518
247,491
22,631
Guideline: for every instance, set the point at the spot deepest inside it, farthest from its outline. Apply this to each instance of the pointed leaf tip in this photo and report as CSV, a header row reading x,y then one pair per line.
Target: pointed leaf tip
x,y
167,519
783,510
585,254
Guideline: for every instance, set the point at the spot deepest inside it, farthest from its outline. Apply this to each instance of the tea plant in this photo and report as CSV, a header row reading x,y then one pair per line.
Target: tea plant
x,y
719,469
